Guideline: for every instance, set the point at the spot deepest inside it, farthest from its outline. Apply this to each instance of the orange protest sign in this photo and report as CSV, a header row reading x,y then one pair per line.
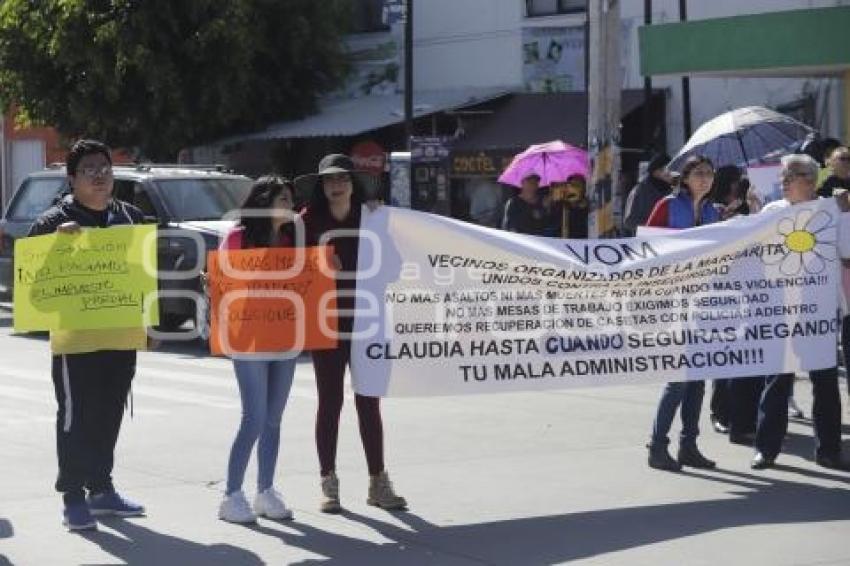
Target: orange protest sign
x,y
272,300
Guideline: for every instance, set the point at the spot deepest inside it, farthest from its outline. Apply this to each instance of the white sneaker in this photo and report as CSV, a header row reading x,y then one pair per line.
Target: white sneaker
x,y
235,509
269,503
794,409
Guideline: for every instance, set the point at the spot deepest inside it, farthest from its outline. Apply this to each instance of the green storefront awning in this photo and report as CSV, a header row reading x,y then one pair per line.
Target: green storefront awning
x,y
811,42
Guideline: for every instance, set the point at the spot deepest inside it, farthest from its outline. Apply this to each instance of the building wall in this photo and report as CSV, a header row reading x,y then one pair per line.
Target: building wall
x,y
460,43
467,43
479,43
55,150
712,96
12,133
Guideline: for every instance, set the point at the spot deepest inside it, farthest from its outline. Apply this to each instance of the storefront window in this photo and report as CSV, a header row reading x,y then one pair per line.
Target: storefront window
x,y
534,8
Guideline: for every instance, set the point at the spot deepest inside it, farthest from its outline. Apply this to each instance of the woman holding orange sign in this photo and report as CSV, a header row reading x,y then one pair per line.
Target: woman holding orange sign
x,y
265,221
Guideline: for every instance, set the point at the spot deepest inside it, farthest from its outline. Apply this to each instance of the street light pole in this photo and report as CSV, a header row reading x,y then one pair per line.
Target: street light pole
x,y
408,72
3,173
603,116
647,90
686,81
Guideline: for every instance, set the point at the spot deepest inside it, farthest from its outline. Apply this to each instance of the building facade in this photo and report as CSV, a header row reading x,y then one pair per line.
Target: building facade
x,y
485,70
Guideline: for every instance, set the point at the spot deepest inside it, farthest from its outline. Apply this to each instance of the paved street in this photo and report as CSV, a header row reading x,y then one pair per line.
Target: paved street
x,y
540,478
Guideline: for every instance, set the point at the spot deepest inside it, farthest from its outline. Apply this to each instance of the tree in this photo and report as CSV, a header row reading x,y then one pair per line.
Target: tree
x,y
160,75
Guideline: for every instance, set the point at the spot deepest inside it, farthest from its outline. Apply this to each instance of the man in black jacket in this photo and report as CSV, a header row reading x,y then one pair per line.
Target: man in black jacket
x,y
92,369
654,187
838,163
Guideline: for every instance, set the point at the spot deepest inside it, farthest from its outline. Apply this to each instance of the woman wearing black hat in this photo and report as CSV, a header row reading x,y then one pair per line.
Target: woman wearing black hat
x,y
337,192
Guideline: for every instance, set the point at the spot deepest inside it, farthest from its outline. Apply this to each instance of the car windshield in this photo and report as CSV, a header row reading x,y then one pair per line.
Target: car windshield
x,y
203,199
34,197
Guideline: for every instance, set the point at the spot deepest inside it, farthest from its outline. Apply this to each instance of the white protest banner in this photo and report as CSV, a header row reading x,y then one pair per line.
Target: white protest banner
x,y
445,307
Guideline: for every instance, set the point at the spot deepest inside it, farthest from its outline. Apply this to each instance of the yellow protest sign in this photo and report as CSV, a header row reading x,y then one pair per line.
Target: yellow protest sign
x,y
94,279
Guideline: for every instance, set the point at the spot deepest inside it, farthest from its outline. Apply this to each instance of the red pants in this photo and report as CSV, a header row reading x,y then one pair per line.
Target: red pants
x,y
330,374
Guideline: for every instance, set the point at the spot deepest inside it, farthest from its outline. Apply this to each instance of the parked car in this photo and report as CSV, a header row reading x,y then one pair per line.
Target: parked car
x,y
187,202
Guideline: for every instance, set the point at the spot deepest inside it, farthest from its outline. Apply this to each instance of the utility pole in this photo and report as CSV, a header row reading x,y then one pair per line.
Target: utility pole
x,y
4,174
686,82
408,72
603,118
647,90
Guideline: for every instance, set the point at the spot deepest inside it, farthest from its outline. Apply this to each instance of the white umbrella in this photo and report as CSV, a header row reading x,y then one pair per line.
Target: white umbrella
x,y
742,137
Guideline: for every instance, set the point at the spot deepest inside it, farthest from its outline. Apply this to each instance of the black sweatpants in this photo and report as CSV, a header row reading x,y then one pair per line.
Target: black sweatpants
x,y
744,395
826,413
91,392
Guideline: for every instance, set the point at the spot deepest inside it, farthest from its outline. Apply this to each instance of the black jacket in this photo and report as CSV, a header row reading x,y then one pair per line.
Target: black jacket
x,y
641,201
525,218
69,210
831,183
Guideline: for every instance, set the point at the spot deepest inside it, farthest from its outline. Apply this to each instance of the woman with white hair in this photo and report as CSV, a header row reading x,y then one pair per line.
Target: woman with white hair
x,y
799,179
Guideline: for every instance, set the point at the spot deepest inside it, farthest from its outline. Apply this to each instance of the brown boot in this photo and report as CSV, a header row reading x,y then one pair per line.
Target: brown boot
x,y
330,494
381,493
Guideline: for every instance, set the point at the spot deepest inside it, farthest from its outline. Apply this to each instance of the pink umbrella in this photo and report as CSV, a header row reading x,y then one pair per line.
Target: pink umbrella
x,y
553,162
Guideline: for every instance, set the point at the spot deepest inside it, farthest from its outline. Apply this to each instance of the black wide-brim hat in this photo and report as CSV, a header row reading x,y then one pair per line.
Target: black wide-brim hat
x,y
338,163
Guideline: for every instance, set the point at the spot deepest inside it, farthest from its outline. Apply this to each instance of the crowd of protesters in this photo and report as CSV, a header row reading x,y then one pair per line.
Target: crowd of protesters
x,y
93,369
753,411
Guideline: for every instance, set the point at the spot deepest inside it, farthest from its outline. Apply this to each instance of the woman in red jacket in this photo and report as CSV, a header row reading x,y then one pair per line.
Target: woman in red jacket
x,y
688,206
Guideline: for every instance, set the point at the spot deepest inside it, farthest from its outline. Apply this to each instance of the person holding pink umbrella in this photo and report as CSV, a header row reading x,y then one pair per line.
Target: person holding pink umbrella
x,y
538,166
527,212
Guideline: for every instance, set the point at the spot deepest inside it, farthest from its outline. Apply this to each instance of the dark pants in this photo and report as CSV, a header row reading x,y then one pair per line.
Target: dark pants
x,y
845,348
686,396
91,392
719,405
826,412
743,402
330,375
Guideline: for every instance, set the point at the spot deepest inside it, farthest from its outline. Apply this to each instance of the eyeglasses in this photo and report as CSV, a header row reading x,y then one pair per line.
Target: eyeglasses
x,y
844,158
92,172
791,175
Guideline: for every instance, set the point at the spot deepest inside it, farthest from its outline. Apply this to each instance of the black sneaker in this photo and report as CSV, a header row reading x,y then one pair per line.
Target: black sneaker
x,y
718,425
78,517
110,503
691,456
833,463
761,462
742,438
660,459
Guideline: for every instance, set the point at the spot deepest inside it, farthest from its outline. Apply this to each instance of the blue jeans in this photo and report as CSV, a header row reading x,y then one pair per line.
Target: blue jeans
x,y
689,395
264,388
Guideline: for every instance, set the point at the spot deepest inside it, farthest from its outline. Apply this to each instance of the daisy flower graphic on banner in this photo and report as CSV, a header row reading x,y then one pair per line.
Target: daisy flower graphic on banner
x,y
807,240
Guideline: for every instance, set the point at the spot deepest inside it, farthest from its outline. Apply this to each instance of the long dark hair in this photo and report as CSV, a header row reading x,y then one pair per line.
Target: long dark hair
x,y
690,164
257,229
724,179
319,201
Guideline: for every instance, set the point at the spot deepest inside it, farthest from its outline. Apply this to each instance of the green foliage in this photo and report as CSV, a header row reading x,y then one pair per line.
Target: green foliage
x,y
163,74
